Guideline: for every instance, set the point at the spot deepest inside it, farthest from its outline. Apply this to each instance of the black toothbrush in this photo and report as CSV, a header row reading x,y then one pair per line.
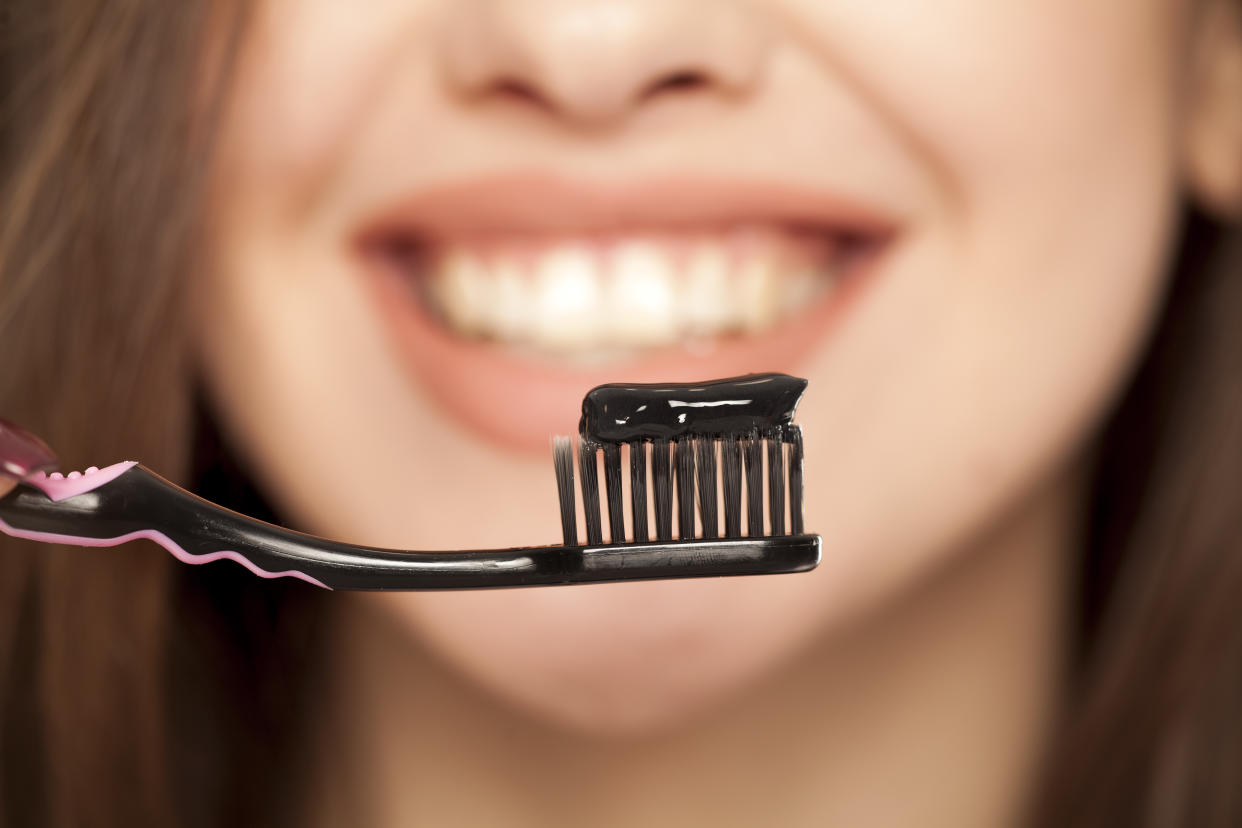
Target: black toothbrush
x,y
690,436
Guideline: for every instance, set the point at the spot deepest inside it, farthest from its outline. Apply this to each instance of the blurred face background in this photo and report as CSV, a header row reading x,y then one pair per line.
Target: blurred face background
x,y
438,223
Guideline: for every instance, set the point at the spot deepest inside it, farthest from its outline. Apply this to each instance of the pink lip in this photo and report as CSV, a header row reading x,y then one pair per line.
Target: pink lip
x,y
521,401
533,203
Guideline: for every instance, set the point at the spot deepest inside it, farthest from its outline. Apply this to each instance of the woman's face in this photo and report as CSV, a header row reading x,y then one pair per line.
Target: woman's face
x,y
441,221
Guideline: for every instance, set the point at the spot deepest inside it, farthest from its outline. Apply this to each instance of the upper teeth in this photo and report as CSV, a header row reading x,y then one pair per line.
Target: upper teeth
x,y
576,295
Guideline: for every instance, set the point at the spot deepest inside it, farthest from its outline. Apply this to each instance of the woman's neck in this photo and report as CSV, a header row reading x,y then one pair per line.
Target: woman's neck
x,y
932,714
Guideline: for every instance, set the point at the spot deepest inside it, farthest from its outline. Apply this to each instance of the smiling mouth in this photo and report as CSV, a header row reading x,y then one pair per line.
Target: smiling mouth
x,y
598,298
533,290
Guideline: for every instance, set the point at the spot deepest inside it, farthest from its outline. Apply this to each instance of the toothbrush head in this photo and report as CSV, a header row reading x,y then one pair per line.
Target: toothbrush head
x,y
697,439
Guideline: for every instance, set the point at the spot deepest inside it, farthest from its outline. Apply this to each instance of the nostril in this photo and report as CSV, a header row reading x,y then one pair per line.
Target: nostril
x,y
519,91
688,80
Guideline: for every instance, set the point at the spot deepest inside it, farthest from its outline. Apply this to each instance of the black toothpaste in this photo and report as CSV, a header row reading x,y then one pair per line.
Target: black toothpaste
x,y
620,412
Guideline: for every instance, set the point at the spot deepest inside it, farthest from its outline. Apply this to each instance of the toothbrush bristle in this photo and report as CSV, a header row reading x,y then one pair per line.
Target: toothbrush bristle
x,y
705,463
662,482
638,489
794,436
705,480
754,484
612,486
587,452
683,458
563,458
731,469
776,483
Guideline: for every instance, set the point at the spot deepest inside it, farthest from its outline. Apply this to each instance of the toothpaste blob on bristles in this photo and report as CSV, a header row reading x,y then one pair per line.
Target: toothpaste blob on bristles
x,y
618,412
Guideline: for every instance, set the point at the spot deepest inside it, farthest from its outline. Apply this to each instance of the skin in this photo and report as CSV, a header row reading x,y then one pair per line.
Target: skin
x,y
1036,153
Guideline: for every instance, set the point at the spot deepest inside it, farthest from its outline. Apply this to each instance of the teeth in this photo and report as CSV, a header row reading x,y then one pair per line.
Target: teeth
x,y
709,307
759,294
460,290
643,288
803,289
567,306
579,296
508,303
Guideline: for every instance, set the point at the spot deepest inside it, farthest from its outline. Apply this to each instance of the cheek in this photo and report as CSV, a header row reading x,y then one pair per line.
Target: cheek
x,y
310,71
975,87
1009,319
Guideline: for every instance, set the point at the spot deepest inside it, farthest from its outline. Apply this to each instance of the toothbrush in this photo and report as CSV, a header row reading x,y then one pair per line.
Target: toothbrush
x,y
678,430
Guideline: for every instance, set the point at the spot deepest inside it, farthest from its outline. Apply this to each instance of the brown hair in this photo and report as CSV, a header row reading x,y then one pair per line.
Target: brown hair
x,y
134,694
130,693
1154,735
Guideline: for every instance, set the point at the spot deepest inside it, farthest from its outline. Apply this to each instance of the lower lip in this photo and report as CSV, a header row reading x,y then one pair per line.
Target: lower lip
x,y
520,402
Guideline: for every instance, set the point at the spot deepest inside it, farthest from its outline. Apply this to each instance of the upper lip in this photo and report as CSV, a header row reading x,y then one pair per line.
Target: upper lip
x,y
537,203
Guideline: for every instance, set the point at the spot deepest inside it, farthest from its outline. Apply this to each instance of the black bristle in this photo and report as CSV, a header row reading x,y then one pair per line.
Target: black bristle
x,y
638,489
731,471
686,466
794,436
754,484
612,487
590,491
776,482
705,467
683,450
563,459
662,482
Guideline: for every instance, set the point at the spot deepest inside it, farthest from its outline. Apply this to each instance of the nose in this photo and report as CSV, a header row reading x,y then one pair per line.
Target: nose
x,y
593,62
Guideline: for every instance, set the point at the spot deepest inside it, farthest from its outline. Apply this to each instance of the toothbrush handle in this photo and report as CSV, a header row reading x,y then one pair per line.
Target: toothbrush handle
x,y
139,504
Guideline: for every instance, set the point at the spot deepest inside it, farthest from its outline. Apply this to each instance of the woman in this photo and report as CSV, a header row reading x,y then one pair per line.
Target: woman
x,y
1000,240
